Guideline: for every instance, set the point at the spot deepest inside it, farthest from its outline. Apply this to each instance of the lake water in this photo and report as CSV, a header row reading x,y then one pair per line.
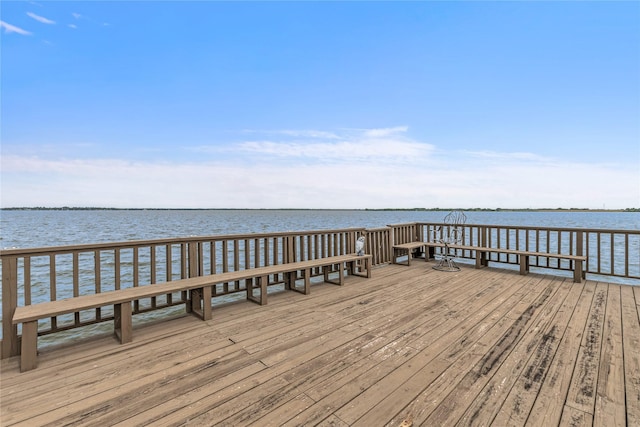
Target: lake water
x,y
28,229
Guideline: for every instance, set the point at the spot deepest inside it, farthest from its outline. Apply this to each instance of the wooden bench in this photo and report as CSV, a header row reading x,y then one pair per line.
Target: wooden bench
x,y
400,250
523,257
198,303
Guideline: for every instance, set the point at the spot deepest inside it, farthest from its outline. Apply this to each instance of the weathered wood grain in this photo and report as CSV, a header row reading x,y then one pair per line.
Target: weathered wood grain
x,y
477,347
610,397
551,397
582,392
631,351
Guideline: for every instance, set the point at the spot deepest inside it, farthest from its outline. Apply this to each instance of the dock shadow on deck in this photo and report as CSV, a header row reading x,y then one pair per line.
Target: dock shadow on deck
x,y
477,347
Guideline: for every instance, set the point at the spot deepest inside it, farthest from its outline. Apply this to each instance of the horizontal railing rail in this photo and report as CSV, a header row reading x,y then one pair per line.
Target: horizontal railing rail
x,y
35,275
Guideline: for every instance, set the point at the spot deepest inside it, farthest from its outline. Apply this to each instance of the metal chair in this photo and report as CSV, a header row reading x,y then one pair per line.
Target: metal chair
x,y
450,234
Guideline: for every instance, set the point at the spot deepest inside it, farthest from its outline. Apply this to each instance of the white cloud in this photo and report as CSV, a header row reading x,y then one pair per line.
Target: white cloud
x,y
8,28
79,16
374,146
39,18
74,26
310,134
354,171
295,133
383,132
505,156
33,181
343,152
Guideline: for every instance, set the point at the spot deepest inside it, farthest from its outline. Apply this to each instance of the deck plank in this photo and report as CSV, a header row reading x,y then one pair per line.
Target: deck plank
x,y
422,365
470,389
551,397
533,343
538,357
636,291
631,350
477,347
582,392
610,397
411,378
490,329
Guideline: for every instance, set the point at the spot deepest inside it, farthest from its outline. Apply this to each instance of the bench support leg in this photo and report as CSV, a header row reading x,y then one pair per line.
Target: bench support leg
x,y
249,288
361,267
262,282
398,252
200,302
327,268
122,322
29,349
479,257
306,276
482,259
524,264
307,281
206,303
577,271
289,280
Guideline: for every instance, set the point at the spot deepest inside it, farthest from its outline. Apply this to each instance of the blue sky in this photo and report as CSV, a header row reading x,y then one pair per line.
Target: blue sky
x,y
320,104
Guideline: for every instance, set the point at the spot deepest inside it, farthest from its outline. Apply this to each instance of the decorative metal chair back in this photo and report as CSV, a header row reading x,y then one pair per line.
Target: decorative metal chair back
x,y
450,234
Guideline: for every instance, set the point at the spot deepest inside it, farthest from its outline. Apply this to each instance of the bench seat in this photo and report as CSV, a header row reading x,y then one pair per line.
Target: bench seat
x,y
523,257
199,301
406,248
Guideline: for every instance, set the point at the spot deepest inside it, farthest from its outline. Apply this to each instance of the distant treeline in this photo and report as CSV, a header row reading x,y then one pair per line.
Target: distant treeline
x,y
67,208
510,210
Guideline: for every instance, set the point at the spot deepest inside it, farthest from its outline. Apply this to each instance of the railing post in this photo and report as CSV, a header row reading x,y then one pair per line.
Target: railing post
x,y
580,251
10,343
289,251
579,243
390,242
350,242
482,237
193,259
431,237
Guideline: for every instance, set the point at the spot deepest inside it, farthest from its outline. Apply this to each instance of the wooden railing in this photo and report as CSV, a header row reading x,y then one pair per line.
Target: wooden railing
x,y
406,233
36,275
378,243
614,253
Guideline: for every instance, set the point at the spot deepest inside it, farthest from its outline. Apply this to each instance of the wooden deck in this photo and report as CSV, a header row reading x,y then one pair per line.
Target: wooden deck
x,y
478,347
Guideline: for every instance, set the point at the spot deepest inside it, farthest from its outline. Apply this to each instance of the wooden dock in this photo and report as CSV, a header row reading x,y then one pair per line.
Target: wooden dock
x,y
412,344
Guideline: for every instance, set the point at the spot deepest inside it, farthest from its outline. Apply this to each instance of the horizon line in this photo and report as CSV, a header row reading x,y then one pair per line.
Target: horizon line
x,y
417,209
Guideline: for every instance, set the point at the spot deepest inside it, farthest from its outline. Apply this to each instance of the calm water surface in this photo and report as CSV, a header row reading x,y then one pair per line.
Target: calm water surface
x,y
30,229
